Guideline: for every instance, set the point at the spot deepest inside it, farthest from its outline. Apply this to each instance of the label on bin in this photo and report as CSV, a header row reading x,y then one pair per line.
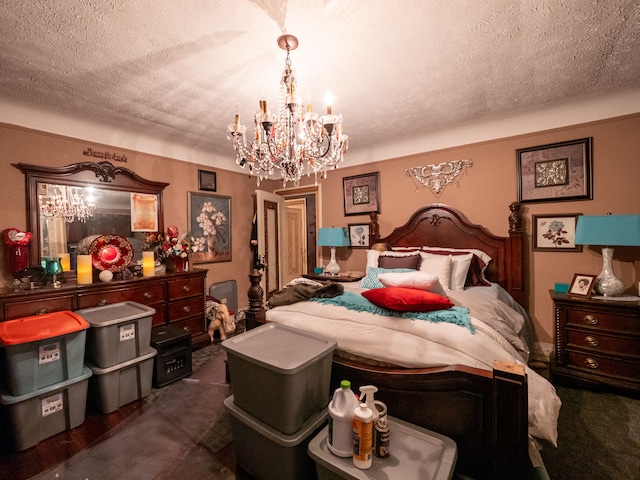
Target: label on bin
x,y
52,404
49,353
127,332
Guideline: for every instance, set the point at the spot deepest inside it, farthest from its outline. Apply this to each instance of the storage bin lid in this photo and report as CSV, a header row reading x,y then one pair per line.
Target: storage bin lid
x,y
40,327
278,347
6,399
119,366
115,313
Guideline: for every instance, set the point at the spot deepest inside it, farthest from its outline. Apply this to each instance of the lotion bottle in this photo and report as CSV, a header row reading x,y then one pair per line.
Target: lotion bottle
x,y
341,408
362,436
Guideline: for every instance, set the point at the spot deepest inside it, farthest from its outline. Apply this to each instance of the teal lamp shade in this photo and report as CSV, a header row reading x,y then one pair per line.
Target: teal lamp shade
x,y
608,231
333,237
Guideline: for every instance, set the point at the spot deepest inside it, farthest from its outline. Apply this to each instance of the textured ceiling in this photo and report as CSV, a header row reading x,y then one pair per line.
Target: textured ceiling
x,y
398,69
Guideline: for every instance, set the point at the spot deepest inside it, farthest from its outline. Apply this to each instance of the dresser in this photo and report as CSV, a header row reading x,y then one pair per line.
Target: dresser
x,y
178,299
597,342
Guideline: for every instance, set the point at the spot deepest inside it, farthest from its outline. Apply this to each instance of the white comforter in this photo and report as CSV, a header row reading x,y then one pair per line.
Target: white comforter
x,y
416,343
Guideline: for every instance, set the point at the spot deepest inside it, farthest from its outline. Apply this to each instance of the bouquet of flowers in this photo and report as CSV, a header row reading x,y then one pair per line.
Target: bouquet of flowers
x,y
213,224
172,244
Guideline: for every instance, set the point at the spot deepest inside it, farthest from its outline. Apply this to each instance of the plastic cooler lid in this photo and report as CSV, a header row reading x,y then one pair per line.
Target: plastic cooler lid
x,y
278,347
40,327
115,313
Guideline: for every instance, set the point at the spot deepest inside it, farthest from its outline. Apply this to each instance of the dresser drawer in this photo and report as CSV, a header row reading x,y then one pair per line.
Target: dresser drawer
x,y
598,341
184,288
601,365
37,306
595,318
148,295
195,325
189,307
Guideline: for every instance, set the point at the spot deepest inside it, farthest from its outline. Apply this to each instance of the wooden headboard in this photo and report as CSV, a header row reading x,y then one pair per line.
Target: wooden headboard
x,y
439,225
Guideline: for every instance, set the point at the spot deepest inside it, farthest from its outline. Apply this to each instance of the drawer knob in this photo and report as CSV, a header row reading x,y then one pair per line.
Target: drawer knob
x,y
590,320
103,302
591,363
186,309
147,295
42,311
591,341
186,288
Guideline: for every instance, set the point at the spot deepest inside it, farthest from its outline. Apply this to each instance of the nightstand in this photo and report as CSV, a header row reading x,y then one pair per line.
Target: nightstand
x,y
597,342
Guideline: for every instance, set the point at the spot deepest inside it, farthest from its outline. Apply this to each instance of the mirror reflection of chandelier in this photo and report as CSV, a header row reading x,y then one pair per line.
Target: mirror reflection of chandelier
x,y
66,202
294,140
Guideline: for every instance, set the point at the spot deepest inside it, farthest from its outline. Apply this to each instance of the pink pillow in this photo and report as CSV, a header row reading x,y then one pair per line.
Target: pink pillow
x,y
407,299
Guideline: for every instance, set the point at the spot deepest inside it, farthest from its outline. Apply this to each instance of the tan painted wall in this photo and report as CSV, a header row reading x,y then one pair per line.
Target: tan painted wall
x,y
19,145
490,186
484,196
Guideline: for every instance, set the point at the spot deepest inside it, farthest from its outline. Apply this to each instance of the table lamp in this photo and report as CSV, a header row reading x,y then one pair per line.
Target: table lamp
x,y
608,231
333,237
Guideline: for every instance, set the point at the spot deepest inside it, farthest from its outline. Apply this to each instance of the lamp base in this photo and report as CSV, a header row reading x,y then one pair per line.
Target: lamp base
x,y
607,284
332,267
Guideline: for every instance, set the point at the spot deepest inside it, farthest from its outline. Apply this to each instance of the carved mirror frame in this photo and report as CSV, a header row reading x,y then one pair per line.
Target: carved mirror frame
x,y
102,174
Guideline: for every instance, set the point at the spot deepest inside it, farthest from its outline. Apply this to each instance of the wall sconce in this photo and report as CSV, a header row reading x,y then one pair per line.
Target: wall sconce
x,y
437,176
333,237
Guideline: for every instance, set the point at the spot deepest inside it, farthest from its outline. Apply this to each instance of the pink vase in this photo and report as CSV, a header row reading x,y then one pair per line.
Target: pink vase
x,y
17,258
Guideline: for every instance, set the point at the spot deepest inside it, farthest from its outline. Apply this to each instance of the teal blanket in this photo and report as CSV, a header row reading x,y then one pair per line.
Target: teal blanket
x,y
356,302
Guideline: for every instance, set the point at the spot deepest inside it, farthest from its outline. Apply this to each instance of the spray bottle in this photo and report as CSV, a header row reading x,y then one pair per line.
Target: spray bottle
x,y
366,396
341,409
362,436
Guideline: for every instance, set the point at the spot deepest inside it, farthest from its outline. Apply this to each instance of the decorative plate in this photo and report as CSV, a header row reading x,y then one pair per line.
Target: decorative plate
x,y
111,252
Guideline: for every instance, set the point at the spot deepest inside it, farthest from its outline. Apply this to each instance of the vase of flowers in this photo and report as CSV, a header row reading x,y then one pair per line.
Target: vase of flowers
x,y
173,249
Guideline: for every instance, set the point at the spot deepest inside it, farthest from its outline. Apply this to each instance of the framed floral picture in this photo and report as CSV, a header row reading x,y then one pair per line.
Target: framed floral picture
x,y
359,235
555,233
210,225
361,194
581,285
555,172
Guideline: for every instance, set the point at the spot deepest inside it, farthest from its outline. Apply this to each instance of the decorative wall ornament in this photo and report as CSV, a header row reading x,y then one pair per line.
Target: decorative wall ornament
x,y
439,175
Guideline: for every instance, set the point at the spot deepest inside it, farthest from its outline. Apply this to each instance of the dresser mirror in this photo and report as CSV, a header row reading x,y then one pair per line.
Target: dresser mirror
x,y
66,205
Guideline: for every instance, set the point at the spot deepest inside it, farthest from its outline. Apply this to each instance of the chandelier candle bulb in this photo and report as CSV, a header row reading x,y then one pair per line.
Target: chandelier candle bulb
x,y
148,264
84,270
65,261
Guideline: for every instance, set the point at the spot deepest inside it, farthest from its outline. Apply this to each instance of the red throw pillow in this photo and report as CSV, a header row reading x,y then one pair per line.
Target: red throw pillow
x,y
407,299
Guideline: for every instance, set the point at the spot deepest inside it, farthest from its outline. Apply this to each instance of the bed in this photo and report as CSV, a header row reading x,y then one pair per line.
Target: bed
x,y
483,397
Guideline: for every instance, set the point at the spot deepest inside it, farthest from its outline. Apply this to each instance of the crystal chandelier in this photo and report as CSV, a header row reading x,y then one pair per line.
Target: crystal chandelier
x,y
294,140
65,202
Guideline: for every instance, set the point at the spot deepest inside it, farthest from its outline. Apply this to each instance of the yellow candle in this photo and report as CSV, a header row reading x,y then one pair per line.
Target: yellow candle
x,y
148,264
65,262
84,269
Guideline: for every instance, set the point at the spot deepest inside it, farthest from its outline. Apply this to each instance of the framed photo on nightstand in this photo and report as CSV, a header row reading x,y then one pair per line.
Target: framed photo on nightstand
x,y
581,285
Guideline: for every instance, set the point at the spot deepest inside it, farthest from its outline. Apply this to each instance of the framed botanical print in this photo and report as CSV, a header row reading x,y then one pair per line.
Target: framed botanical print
x,y
555,233
361,194
359,235
555,172
210,225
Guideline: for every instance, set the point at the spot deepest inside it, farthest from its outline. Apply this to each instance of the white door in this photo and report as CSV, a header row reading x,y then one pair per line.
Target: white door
x,y
296,233
272,244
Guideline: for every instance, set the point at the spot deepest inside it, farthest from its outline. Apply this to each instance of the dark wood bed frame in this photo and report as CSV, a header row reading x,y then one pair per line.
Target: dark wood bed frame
x,y
484,412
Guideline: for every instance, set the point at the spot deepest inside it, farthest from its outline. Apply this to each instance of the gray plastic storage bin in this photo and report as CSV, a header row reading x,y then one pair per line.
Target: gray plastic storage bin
x,y
111,388
119,332
280,374
30,418
41,350
267,454
415,454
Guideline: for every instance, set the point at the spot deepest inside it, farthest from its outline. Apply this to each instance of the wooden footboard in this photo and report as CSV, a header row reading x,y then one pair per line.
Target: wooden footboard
x,y
484,412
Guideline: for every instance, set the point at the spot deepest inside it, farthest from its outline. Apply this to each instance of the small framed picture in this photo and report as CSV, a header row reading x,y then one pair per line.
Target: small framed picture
x,y
555,233
359,235
581,285
206,181
361,194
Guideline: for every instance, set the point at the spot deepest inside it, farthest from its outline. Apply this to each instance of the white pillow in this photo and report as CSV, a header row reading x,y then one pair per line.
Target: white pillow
x,y
484,256
418,280
459,268
438,265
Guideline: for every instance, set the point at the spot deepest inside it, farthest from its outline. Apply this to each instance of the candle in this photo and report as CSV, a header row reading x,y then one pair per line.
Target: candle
x,y
328,98
65,262
84,269
148,264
